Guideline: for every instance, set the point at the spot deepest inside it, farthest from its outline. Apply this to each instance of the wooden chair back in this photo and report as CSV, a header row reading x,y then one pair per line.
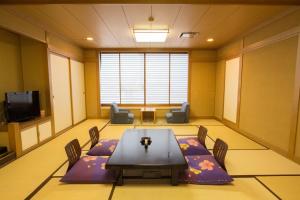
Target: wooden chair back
x,y
94,136
73,151
202,133
219,151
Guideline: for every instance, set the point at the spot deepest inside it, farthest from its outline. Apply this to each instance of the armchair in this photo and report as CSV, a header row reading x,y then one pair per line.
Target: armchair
x,y
179,115
120,116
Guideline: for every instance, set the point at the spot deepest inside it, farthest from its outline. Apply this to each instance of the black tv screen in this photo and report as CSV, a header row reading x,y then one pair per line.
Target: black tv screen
x,y
21,106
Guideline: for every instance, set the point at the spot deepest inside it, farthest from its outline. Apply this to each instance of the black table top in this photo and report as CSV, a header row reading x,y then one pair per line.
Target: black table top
x,y
164,150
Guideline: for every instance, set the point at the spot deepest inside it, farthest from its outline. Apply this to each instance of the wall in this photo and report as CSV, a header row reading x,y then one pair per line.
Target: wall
x,y
11,78
35,70
267,91
91,83
202,83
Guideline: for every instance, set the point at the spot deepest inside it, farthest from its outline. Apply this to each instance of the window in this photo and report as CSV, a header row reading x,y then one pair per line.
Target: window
x,y
143,78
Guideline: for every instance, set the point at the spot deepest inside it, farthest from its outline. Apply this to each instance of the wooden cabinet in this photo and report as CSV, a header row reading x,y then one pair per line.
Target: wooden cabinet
x,y
29,137
25,136
44,130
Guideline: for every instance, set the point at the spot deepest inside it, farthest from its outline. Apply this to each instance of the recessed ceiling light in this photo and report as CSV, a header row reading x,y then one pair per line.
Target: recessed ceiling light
x,y
89,38
210,40
188,34
144,35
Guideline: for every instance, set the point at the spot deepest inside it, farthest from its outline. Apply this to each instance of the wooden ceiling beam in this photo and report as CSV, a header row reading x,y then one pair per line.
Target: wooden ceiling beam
x,y
243,2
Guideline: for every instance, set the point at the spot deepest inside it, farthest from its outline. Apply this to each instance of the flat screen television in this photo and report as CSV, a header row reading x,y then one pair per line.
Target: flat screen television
x,y
21,106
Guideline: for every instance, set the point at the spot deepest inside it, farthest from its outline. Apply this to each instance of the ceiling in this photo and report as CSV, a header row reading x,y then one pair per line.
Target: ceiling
x,y
112,26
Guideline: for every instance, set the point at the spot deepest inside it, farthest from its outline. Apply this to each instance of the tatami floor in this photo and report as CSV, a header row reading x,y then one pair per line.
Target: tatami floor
x,y
259,173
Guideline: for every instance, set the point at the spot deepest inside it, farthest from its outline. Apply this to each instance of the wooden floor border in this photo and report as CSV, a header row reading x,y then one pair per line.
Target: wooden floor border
x,y
266,187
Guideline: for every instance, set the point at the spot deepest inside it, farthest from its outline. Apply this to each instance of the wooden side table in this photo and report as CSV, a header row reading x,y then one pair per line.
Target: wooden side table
x,y
148,114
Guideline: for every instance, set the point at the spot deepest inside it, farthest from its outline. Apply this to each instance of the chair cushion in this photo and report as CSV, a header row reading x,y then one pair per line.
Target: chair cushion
x,y
205,170
191,146
105,147
89,169
130,115
115,107
169,115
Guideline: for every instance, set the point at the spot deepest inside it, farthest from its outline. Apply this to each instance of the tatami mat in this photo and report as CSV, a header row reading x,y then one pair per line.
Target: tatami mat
x,y
178,130
241,189
114,131
286,187
259,162
232,138
209,142
29,171
205,122
58,191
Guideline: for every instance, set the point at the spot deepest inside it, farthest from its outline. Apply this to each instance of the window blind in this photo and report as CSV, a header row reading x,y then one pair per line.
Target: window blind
x,y
143,78
178,78
109,78
157,78
132,78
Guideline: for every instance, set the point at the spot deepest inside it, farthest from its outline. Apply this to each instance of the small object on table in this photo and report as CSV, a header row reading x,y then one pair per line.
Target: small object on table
x,y
146,141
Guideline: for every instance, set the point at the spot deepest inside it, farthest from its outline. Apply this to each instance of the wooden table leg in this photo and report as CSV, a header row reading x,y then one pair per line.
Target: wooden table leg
x,y
174,176
120,180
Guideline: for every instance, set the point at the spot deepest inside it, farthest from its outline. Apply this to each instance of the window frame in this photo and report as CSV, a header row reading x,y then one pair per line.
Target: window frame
x,y
143,52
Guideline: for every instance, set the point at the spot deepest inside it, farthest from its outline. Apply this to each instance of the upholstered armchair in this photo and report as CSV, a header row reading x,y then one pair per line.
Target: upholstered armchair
x,y
120,116
179,115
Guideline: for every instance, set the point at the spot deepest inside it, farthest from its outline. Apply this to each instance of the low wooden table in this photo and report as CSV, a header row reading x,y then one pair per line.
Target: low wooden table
x,y
162,159
148,114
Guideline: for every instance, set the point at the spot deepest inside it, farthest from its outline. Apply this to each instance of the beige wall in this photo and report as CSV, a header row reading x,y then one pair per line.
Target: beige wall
x,y
35,70
267,83
267,92
10,65
91,83
66,48
220,81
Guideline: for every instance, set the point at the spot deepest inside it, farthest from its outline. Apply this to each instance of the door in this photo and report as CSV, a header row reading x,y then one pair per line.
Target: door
x,y
60,87
78,91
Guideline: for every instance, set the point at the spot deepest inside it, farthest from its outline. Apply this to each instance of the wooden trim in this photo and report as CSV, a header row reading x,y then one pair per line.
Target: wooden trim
x,y
71,89
51,91
98,85
240,87
273,39
244,2
295,106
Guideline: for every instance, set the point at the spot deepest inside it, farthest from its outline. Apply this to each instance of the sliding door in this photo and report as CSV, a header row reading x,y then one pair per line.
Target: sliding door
x,y
232,75
78,91
60,87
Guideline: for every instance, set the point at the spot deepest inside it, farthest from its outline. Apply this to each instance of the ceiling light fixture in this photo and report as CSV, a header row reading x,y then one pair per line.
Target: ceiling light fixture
x,y
210,40
152,35
188,34
89,38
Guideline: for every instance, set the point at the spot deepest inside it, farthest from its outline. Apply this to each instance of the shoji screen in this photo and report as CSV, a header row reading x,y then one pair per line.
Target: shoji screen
x,y
78,91
157,78
179,78
232,74
132,78
60,86
109,78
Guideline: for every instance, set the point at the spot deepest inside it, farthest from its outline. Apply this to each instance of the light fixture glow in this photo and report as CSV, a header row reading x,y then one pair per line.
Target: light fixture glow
x,y
210,40
150,35
89,38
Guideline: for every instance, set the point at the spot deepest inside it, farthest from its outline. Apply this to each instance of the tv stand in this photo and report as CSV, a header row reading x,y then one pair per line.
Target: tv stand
x,y
26,136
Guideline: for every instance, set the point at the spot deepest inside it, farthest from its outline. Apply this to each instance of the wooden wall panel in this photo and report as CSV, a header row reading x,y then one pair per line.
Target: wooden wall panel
x,y
219,97
267,91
